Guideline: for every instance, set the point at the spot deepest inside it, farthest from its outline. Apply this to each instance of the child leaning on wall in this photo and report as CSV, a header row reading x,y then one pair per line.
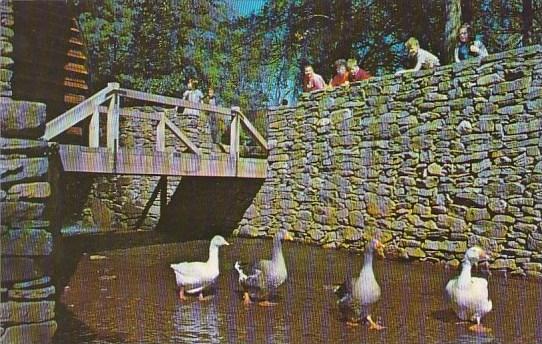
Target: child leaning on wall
x,y
423,58
468,47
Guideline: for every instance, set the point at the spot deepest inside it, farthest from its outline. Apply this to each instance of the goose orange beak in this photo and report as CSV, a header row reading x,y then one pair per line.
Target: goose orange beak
x,y
380,249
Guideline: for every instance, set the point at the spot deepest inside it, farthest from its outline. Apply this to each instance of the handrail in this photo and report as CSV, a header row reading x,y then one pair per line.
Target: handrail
x,y
77,113
113,92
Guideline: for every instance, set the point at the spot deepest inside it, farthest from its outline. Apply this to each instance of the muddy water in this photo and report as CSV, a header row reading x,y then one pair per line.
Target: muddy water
x,y
128,295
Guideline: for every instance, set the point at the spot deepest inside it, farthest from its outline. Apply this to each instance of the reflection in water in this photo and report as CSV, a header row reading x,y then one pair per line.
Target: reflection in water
x,y
196,320
141,304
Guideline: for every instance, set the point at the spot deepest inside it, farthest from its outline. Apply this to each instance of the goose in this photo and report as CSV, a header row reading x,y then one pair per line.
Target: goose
x,y
358,295
266,275
469,295
194,277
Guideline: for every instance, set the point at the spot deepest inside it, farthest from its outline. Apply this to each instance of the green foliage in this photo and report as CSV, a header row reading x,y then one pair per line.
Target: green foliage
x,y
256,61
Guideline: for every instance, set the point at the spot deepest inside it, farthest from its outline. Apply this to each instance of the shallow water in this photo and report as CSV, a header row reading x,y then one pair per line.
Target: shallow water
x,y
130,297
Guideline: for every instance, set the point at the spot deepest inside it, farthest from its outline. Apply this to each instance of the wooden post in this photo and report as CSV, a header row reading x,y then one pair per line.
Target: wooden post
x,y
113,122
94,129
234,133
161,134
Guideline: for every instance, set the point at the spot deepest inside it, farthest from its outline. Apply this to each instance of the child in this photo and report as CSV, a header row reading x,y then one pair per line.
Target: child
x,y
342,76
423,58
466,47
356,73
312,81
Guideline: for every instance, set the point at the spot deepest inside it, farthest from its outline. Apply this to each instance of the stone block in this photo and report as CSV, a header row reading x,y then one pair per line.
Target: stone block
x,y
16,212
31,294
27,242
23,170
379,206
26,312
502,264
22,119
453,223
38,333
490,229
29,192
21,269
30,148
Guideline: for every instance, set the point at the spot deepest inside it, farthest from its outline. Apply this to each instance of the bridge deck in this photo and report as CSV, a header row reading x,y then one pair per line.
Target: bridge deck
x,y
130,161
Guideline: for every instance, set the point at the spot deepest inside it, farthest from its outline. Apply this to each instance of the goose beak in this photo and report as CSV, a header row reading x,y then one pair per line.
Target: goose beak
x,y
288,237
380,249
226,243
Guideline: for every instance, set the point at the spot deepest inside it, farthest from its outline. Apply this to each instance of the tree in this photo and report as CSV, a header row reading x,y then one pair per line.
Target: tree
x,y
453,22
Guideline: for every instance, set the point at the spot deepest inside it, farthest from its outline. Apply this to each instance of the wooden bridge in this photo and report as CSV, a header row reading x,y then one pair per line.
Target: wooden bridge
x,y
113,159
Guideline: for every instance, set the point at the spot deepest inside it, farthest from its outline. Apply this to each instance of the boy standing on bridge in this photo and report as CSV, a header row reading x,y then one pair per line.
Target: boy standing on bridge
x,y
192,95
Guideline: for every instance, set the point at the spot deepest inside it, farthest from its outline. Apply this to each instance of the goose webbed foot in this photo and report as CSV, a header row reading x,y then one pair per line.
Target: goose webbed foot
x,y
352,323
181,294
374,325
267,303
246,299
202,298
479,328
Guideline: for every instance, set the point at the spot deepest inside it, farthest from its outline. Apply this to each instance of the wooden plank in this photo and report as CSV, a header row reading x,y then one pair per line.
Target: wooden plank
x,y
165,100
234,136
161,135
94,129
181,136
254,132
135,162
113,123
76,114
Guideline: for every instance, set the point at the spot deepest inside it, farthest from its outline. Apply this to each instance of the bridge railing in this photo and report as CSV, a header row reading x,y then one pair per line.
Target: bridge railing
x,y
108,100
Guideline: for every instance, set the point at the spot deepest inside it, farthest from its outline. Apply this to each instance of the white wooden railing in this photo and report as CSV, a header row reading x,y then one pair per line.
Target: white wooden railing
x,y
93,106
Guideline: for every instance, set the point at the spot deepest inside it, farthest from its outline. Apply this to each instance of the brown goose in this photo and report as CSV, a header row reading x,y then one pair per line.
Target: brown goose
x,y
261,282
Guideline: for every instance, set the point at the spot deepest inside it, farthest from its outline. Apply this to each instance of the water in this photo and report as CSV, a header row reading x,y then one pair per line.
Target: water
x,y
130,297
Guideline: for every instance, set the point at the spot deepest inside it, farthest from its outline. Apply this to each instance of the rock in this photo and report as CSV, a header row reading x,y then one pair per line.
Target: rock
x,y
355,219
29,192
453,223
31,294
30,148
379,206
501,264
471,199
352,234
16,269
415,252
26,312
21,119
490,229
32,283
27,242
476,214
39,333
23,170
15,212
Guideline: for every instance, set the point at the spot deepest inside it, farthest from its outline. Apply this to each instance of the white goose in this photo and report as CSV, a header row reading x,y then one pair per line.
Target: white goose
x,y
194,277
469,295
357,295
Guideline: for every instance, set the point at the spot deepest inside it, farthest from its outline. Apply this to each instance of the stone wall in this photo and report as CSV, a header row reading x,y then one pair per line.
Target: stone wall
x,y
27,307
109,203
436,160
6,47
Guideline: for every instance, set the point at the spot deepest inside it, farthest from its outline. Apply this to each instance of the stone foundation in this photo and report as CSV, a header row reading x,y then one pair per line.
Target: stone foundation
x,y
27,293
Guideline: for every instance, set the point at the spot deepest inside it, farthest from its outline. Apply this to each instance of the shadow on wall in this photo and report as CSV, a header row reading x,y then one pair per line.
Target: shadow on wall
x,y
203,207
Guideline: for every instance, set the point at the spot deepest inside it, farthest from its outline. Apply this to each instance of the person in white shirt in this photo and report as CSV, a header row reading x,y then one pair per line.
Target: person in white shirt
x,y
423,58
192,95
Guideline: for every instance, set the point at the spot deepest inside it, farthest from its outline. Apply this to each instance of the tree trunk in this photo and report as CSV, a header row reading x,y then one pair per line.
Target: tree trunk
x,y
527,23
453,22
466,11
